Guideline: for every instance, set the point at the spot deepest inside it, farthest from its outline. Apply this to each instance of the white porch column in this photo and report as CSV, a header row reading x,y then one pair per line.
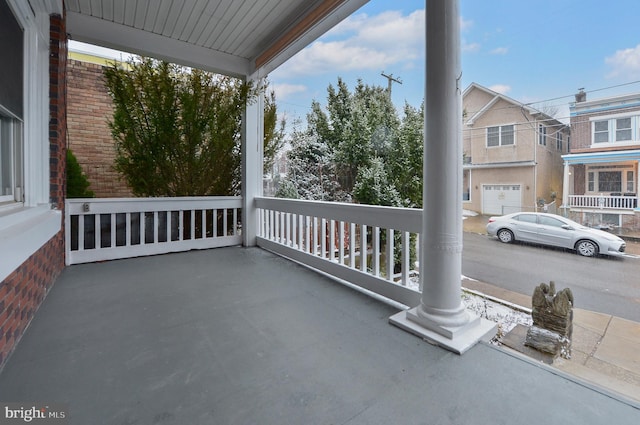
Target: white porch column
x,y
441,316
252,147
565,188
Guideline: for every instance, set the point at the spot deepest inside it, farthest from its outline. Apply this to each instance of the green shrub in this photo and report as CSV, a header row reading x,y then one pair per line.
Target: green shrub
x,y
77,183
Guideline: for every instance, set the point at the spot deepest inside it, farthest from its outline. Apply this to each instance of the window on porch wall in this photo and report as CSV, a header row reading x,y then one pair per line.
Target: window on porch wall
x,y
11,107
610,181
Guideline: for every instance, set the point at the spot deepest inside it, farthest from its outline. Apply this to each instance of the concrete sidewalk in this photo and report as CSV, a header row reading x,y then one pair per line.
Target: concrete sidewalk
x,y
604,348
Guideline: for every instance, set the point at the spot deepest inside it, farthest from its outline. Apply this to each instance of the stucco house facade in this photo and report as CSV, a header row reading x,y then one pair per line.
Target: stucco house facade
x,y
601,172
511,153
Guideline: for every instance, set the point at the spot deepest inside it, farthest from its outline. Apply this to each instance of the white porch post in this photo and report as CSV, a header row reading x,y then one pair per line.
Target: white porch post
x,y
252,147
441,316
565,188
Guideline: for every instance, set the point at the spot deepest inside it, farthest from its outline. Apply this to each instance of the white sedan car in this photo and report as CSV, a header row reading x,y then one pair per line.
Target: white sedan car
x,y
551,229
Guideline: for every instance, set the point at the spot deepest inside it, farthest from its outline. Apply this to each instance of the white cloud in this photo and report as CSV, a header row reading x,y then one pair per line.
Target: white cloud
x,y
500,88
625,63
284,90
364,42
470,47
464,24
500,51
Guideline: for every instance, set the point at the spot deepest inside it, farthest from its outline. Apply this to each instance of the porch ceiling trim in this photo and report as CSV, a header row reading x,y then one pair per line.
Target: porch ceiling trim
x,y
121,37
600,157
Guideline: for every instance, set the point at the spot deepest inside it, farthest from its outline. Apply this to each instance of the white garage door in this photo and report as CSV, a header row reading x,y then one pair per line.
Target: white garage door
x,y
498,199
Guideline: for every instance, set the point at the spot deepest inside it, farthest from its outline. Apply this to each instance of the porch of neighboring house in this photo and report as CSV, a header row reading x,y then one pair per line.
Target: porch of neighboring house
x,y
240,335
604,191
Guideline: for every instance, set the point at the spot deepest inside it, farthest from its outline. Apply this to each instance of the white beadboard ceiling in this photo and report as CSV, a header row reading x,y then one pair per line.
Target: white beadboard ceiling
x,y
233,37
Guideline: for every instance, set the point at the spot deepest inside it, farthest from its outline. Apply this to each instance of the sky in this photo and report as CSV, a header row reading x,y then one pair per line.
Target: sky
x,y
539,53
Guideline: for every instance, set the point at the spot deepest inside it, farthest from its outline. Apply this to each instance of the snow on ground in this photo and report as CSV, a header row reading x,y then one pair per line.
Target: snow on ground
x,y
505,314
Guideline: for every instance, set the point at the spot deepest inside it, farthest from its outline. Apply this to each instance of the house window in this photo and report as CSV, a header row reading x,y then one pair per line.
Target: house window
x,y
10,159
542,135
623,129
615,130
601,132
610,181
500,135
591,181
559,141
631,185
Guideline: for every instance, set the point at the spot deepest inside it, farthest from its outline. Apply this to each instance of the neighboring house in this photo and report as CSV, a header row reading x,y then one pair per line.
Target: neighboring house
x,y
89,109
512,154
601,172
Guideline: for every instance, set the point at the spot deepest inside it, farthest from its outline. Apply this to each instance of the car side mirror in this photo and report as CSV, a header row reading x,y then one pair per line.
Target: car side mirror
x,y
567,227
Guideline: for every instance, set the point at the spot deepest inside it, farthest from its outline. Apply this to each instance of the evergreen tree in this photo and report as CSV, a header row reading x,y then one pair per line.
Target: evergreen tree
x,y
178,130
77,182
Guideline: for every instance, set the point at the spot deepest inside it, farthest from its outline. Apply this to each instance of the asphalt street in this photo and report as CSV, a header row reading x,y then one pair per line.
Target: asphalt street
x,y
603,284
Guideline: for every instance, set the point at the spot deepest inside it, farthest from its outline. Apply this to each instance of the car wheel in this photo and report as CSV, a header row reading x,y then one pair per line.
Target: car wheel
x,y
587,248
505,235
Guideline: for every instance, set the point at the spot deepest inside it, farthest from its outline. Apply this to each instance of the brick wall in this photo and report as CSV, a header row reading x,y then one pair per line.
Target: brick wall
x,y
22,292
89,109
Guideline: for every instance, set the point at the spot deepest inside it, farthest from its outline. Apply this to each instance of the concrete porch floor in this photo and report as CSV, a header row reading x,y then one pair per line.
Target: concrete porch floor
x,y
241,336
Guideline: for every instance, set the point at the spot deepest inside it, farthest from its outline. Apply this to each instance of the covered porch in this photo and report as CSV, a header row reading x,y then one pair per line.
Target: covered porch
x,y
240,335
602,189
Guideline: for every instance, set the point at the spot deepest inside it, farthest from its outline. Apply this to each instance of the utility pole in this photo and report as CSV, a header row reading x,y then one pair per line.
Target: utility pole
x,y
390,80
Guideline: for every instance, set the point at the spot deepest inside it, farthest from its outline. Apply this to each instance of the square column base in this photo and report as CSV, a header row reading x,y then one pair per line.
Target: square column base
x,y
456,339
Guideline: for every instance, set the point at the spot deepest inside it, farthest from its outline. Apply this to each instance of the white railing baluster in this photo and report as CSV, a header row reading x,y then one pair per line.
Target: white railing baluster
x,y
81,232
127,229
155,227
235,222
314,238
294,228
375,258
96,231
225,224
352,245
363,247
390,254
406,258
307,233
341,242
113,230
323,238
332,240
181,225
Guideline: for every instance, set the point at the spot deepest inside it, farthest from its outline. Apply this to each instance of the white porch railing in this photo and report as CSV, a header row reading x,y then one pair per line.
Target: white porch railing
x,y
603,202
347,241
108,229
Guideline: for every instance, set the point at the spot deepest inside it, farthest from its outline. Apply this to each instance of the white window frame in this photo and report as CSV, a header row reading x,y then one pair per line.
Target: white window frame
x,y
11,158
501,131
542,135
612,129
624,177
559,141
26,226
